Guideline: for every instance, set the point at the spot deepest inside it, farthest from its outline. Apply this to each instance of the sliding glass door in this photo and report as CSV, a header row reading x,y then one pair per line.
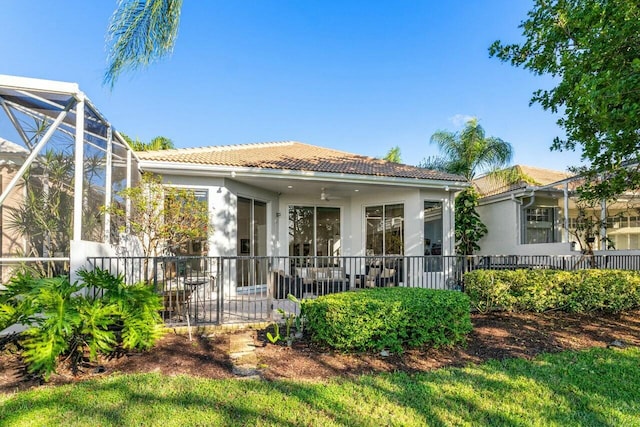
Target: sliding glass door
x,y
251,242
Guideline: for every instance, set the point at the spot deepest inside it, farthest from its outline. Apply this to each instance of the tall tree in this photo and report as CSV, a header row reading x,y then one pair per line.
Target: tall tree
x,y
592,49
466,153
469,151
140,32
393,155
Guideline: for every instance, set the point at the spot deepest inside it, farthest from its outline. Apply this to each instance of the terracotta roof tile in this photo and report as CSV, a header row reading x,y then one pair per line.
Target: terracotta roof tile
x,y
292,155
489,186
7,146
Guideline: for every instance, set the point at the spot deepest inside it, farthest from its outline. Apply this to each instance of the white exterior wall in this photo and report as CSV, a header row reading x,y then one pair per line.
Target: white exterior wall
x,y
503,219
353,227
81,250
223,200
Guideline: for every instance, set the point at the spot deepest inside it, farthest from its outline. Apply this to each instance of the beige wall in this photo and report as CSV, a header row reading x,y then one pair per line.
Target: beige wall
x,y
12,244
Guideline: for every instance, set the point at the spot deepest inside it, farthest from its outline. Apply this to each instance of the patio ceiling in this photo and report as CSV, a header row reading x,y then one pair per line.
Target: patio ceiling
x,y
333,190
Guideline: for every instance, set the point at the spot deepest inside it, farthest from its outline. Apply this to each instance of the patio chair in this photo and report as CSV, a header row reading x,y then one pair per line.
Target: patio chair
x,y
176,299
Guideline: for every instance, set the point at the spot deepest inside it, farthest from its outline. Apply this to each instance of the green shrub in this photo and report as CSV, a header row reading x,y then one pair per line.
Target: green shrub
x,y
540,290
388,318
75,319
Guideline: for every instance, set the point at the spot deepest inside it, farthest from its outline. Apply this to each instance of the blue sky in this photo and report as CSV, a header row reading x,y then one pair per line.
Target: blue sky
x,y
360,76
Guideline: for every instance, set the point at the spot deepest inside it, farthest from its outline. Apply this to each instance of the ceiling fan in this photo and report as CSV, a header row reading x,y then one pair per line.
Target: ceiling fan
x,y
324,196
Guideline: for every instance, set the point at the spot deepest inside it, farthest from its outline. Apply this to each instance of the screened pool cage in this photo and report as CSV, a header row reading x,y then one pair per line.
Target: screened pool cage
x,y
61,163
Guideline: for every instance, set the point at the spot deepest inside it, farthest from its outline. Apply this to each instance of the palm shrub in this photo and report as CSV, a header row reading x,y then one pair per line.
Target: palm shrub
x,y
67,319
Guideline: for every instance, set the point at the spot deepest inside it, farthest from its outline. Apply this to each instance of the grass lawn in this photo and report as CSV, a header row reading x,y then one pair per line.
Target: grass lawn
x,y
595,387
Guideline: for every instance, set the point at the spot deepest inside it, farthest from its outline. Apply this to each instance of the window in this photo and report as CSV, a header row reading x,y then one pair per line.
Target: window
x,y
385,230
432,236
314,231
432,228
539,225
188,208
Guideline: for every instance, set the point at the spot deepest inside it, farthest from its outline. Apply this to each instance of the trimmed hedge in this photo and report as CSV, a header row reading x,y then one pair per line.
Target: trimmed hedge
x,y
388,318
541,290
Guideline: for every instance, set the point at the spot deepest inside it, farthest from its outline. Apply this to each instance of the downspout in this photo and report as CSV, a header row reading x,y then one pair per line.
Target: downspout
x,y
522,208
603,225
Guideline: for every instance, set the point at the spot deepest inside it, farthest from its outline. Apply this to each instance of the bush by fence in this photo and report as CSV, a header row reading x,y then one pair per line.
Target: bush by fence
x,y
388,318
541,290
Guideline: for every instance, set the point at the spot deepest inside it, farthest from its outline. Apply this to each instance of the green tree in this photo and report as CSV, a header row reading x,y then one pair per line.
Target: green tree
x,y
592,49
393,155
157,143
140,32
164,218
466,153
469,151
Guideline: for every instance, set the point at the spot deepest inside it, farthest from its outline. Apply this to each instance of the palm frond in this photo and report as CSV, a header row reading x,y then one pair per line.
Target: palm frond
x,y
140,32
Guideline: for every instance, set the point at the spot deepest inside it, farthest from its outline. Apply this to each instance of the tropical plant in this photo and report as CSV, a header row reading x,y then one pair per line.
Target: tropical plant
x,y
469,151
140,32
393,155
78,321
469,229
157,143
466,153
592,49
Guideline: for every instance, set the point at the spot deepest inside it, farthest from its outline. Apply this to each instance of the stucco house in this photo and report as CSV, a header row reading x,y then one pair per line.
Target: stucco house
x,y
290,199
539,216
280,199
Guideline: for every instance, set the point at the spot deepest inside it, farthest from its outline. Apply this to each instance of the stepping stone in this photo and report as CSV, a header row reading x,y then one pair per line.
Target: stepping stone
x,y
246,371
246,360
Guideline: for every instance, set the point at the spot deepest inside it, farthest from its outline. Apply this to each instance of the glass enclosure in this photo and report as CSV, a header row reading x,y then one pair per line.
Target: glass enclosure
x,y
38,174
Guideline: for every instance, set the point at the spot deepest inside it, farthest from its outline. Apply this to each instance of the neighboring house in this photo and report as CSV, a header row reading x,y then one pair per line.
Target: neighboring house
x,y
12,156
538,216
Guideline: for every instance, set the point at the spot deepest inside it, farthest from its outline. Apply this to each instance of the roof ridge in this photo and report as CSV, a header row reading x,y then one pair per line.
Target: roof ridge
x,y
229,147
544,169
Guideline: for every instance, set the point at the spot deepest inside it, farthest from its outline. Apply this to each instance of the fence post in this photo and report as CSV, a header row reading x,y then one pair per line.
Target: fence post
x,y
270,287
220,291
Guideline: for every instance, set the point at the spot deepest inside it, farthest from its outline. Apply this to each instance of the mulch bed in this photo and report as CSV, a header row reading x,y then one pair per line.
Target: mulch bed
x,y
495,336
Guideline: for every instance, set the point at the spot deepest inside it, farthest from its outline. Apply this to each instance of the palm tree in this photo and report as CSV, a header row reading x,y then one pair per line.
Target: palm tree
x,y
469,151
466,153
393,155
157,143
140,32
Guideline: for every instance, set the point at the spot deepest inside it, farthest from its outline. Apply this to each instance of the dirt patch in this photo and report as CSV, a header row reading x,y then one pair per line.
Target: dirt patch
x,y
495,336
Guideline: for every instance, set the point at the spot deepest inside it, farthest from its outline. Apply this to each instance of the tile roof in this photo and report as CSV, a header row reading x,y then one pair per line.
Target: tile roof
x,y
490,186
293,156
11,147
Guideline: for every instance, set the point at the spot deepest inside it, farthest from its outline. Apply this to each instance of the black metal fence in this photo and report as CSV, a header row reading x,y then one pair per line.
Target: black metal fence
x,y
222,290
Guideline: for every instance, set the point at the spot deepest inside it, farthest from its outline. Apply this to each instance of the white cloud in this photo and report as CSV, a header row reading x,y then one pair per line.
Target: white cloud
x,y
460,119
